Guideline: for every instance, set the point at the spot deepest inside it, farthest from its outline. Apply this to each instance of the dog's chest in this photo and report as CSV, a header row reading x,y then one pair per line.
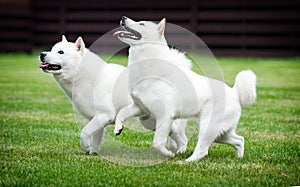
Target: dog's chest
x,y
83,103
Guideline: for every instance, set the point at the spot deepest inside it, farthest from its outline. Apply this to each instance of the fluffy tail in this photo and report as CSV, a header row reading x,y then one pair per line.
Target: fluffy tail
x,y
180,59
245,84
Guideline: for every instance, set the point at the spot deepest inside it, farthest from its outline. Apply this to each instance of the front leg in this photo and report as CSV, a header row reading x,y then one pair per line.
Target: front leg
x,y
88,140
96,141
163,127
131,110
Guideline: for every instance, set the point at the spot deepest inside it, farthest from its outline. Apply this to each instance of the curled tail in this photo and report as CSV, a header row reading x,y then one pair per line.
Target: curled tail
x,y
245,84
180,59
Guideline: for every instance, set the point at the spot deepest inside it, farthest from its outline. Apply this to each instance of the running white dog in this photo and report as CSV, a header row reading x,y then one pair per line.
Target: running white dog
x,y
88,82
157,92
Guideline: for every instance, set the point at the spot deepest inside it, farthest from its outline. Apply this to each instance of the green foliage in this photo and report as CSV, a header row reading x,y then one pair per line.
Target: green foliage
x,y
40,135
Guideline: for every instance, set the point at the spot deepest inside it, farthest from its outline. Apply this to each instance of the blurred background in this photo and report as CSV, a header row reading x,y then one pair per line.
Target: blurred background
x,y
268,28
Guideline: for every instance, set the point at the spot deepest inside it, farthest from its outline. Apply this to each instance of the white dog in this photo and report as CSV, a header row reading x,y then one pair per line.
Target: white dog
x,y
88,82
158,92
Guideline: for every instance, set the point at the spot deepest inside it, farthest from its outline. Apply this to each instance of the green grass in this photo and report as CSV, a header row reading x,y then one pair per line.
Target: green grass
x,y
40,134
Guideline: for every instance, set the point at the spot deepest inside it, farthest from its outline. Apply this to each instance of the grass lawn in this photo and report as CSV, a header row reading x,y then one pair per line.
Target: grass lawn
x,y
40,135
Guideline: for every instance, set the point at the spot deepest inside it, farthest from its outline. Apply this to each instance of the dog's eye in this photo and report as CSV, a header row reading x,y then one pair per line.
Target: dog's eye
x,y
61,52
142,24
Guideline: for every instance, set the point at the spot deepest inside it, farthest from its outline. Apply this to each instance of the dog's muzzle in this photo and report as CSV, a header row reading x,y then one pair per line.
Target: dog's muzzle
x,y
46,67
127,32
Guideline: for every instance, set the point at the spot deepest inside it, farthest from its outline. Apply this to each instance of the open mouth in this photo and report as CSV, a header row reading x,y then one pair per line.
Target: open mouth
x,y
128,33
50,67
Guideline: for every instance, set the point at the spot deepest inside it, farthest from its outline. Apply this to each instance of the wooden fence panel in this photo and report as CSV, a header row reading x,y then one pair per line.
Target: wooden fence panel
x,y
229,28
15,23
250,28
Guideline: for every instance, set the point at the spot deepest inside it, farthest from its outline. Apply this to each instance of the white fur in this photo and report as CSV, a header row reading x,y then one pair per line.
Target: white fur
x,y
216,105
88,82
245,83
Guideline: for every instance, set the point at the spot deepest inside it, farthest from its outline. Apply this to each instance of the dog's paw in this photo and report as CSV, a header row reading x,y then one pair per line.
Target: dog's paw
x,y
118,127
196,157
193,158
240,153
163,151
170,154
85,143
118,131
92,151
181,149
89,151
85,152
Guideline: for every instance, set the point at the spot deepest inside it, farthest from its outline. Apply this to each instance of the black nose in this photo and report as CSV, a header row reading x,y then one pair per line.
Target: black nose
x,y
42,57
122,22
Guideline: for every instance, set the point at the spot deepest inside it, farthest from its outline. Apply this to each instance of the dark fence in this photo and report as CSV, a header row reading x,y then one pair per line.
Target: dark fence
x,y
229,28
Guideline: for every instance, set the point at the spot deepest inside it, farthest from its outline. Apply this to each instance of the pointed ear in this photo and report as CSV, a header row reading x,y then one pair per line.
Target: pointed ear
x,y
64,39
161,26
79,44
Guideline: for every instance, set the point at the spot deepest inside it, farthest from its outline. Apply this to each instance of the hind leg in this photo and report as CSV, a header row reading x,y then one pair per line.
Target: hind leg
x,y
160,137
178,135
210,122
203,143
231,138
178,139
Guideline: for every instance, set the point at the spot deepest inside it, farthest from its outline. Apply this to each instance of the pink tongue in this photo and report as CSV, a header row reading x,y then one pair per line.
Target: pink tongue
x,y
117,33
43,65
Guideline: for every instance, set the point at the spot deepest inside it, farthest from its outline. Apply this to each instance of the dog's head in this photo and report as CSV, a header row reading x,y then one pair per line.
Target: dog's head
x,y
64,56
141,32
